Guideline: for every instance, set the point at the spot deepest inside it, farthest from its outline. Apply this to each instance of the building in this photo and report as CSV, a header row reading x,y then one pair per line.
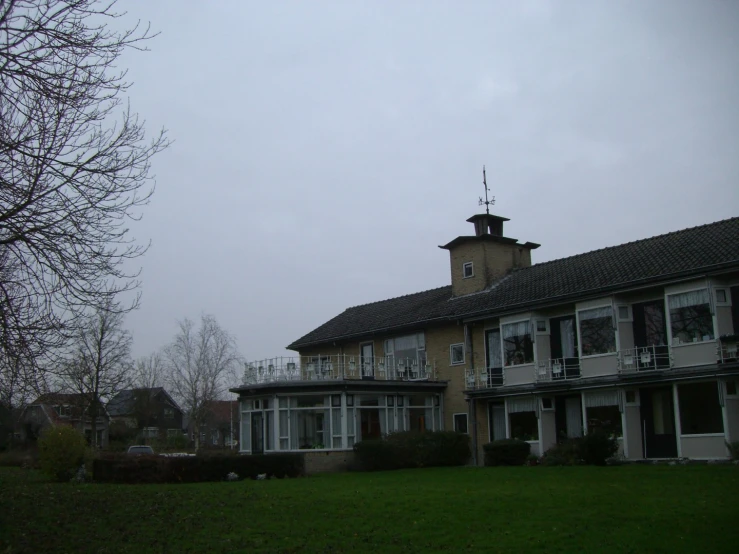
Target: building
x,y
149,413
53,409
220,425
637,339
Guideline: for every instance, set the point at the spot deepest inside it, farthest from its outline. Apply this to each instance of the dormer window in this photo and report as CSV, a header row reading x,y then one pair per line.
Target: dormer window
x,y
468,270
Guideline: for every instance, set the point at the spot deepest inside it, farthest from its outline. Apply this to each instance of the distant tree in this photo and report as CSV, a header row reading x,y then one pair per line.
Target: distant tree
x,y
74,171
200,363
100,364
149,371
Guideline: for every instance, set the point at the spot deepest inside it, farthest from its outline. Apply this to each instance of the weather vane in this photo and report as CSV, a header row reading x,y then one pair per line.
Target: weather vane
x,y
487,203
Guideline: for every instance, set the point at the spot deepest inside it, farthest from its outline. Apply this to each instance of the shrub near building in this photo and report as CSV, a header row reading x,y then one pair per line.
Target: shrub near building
x,y
413,449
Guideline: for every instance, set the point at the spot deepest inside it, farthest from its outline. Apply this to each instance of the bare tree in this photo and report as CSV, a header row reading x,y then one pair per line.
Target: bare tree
x,y
74,170
200,363
149,371
100,362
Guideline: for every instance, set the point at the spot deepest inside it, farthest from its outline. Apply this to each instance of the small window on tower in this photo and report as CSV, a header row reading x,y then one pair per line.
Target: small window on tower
x,y
467,270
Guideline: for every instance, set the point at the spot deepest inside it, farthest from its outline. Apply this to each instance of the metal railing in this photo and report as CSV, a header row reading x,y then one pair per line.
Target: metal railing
x,y
483,378
557,369
728,350
645,358
336,367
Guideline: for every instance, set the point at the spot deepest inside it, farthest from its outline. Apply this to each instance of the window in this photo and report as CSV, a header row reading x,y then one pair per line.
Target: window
x,y
168,413
456,354
631,397
460,423
546,403
604,418
524,426
517,346
690,317
541,325
731,388
406,352
624,313
596,331
467,270
721,297
700,411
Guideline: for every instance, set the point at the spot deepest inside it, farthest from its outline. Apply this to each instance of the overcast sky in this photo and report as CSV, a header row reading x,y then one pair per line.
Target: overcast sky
x,y
325,149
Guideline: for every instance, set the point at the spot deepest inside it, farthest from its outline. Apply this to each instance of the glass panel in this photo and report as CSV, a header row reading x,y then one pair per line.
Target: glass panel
x,y
700,411
310,401
270,434
497,414
246,432
690,317
517,345
283,423
605,418
336,423
524,426
310,428
567,337
596,330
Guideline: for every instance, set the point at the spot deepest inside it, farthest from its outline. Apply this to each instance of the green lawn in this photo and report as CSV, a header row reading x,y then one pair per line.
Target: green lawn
x,y
522,509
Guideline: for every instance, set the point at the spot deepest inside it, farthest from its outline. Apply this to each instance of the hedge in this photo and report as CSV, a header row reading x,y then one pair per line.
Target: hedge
x,y
121,468
411,449
506,452
593,449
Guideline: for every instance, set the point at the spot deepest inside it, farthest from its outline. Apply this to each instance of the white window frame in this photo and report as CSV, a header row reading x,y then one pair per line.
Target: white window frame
x,y
466,420
532,334
469,265
668,315
586,308
543,320
451,353
629,313
727,296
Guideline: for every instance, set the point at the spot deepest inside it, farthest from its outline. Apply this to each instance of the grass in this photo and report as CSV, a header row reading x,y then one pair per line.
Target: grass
x,y
567,509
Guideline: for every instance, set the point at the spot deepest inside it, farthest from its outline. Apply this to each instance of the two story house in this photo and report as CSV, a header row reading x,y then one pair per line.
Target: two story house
x,y
149,412
637,339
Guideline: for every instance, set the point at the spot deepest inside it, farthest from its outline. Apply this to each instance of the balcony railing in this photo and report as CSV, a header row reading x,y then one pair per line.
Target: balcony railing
x,y
728,349
557,369
644,358
483,378
336,367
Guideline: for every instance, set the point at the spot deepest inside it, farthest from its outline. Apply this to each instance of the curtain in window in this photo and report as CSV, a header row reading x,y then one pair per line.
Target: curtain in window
x,y
521,405
246,431
498,414
599,399
573,414
519,329
595,313
685,299
567,337
495,356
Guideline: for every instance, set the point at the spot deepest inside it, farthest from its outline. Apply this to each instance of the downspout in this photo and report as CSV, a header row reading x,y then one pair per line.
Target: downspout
x,y
471,403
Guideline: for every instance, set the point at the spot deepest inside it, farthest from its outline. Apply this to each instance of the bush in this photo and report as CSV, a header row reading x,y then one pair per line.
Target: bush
x,y
733,449
593,449
597,447
506,452
566,453
61,452
117,468
411,449
19,458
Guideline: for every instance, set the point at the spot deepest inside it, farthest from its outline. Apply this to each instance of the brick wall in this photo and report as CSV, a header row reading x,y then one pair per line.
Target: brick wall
x,y
491,260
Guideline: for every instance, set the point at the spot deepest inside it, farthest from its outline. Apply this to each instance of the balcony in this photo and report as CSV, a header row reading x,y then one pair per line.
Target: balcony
x,y
645,358
557,369
483,378
337,367
728,349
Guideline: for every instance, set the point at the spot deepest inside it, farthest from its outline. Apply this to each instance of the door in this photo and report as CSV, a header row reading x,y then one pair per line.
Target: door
x,y
563,346
568,417
257,433
494,357
366,360
658,423
650,335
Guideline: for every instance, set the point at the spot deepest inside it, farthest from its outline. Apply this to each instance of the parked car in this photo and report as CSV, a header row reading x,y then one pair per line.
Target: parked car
x,y
140,450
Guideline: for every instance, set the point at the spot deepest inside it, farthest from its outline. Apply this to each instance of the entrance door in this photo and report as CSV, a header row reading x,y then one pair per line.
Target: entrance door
x,y
366,360
650,333
257,433
494,358
658,423
563,346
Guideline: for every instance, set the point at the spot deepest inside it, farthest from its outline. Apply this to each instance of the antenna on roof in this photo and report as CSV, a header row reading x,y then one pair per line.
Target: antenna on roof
x,y
487,203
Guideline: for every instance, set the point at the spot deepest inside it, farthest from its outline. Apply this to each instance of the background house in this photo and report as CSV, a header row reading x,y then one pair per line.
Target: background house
x,y
66,409
146,414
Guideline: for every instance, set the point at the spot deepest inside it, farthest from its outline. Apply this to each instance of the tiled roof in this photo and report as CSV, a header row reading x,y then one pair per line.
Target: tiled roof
x,y
124,402
681,253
